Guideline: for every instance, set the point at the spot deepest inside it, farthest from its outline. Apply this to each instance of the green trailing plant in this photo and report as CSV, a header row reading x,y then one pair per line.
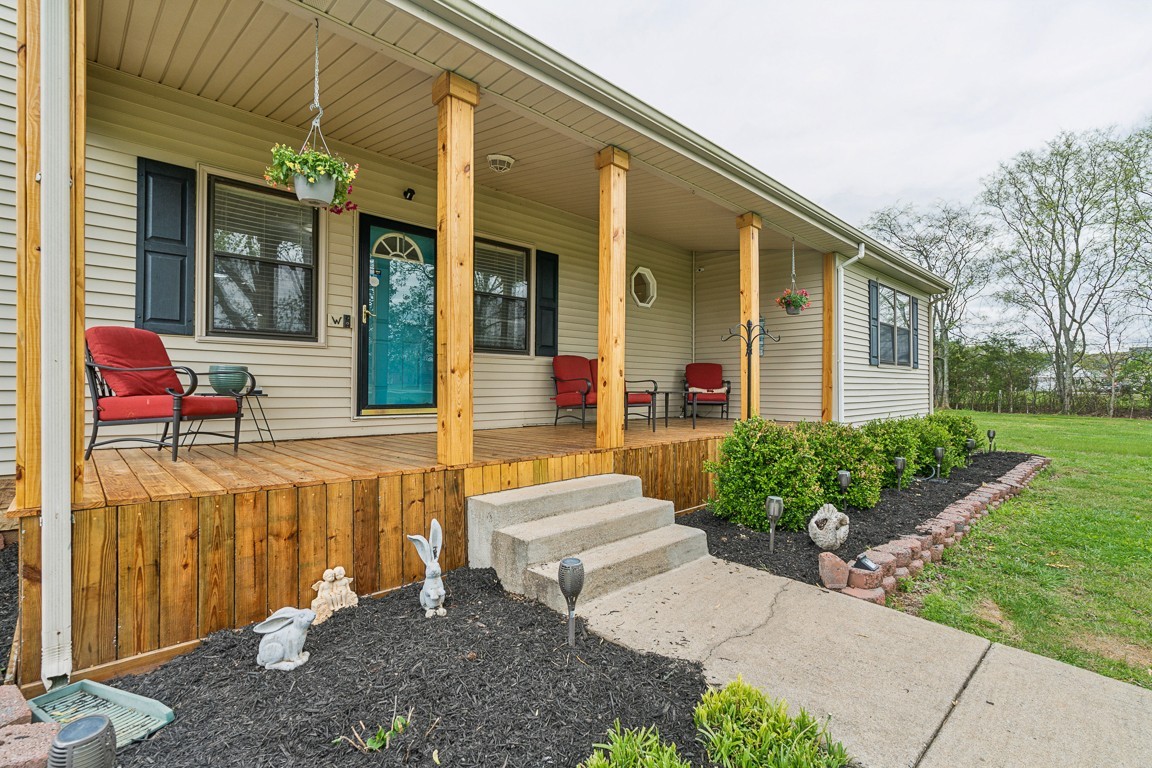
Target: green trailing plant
x,y
312,163
840,446
634,748
761,459
740,727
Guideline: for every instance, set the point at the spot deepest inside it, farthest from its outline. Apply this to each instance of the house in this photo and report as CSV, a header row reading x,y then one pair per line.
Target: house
x,y
512,206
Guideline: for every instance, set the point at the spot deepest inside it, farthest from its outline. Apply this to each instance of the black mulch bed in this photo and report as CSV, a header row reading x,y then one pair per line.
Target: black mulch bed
x,y
492,684
796,557
9,601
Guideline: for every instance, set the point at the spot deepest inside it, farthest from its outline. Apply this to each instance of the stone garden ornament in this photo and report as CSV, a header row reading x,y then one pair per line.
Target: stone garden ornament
x,y
828,528
333,592
285,631
432,595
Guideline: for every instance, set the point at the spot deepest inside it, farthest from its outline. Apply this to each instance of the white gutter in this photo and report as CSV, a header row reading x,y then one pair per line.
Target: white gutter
x,y
55,340
839,414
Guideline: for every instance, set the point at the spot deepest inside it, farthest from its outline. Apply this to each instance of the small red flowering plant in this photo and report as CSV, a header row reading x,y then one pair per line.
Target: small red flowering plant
x,y
798,300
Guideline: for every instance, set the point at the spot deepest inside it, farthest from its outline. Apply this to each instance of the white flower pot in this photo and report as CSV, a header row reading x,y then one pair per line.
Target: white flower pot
x,y
318,193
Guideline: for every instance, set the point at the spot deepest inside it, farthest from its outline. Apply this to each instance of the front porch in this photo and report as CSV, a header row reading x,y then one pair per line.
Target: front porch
x,y
164,553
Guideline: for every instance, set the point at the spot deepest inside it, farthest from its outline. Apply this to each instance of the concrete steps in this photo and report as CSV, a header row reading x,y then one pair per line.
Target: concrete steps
x,y
605,520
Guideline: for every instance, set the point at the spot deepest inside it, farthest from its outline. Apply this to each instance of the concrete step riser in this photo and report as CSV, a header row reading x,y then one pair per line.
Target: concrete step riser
x,y
499,510
516,548
540,582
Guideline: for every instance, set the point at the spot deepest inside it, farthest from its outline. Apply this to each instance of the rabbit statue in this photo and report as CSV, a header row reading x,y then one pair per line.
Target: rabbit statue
x,y
432,594
282,646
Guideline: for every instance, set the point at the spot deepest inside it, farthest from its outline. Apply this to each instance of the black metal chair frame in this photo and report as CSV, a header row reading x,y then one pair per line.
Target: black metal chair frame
x,y
649,416
690,399
99,389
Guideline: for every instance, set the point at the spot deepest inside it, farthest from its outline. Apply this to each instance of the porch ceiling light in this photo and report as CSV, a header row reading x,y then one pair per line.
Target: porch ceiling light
x,y
500,163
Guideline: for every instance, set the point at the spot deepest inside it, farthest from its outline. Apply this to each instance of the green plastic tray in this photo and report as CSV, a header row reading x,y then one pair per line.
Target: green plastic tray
x,y
134,717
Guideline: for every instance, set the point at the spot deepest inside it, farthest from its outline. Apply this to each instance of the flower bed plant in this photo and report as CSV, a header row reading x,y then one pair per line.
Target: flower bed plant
x,y
761,458
738,726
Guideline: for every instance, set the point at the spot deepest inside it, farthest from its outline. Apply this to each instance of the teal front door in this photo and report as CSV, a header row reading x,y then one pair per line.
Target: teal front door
x,y
397,318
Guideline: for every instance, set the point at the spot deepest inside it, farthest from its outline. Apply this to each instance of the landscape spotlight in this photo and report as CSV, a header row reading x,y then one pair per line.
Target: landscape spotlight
x,y
991,440
571,578
970,445
938,477
901,464
774,508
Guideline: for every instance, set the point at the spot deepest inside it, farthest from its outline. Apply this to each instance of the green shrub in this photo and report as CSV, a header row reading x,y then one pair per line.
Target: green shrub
x,y
742,728
892,438
631,748
840,446
933,434
960,428
761,459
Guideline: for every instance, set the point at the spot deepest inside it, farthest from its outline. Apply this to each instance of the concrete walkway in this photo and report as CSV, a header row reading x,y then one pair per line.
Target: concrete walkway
x,y
900,691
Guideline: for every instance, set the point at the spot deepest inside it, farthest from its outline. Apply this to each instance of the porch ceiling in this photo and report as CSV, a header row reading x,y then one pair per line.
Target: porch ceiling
x,y
378,64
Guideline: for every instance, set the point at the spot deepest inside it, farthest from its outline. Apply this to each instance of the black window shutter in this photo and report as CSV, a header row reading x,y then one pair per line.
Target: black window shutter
x,y
873,323
547,304
165,247
915,332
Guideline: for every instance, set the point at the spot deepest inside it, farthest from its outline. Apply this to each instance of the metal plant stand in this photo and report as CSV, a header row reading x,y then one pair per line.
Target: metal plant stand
x,y
749,333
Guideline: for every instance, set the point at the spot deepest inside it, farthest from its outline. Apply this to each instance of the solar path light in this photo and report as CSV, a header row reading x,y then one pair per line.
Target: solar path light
x,y
900,463
938,477
970,445
844,477
991,441
571,579
774,507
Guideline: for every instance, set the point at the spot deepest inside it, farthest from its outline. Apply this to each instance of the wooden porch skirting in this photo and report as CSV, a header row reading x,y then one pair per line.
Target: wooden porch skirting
x,y
175,552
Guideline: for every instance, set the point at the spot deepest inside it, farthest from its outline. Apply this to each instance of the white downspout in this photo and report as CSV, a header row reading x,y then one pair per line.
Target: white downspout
x,y
839,415
55,340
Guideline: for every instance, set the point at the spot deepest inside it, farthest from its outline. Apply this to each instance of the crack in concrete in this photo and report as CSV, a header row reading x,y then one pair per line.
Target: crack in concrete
x,y
771,613
955,704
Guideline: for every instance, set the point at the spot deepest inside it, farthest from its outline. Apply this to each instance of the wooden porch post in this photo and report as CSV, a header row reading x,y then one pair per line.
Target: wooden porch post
x,y
750,224
29,466
827,388
455,99
610,407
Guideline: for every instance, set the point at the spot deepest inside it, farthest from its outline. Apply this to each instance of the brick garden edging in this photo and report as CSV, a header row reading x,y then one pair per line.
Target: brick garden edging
x,y
905,557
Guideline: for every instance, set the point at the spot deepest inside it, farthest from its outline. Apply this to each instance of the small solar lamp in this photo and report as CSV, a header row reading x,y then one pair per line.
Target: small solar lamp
x,y
970,445
991,441
938,477
845,479
900,463
89,741
865,563
774,507
571,579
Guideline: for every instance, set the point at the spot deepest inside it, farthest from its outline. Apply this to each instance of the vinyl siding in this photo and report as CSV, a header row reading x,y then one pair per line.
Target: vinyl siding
x,y
790,370
7,237
311,386
884,391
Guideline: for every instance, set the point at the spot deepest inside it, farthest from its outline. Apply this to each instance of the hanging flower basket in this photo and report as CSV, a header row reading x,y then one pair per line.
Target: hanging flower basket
x,y
794,302
318,178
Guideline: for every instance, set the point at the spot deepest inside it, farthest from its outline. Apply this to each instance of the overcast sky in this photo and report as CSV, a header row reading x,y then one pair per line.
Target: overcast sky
x,y
857,104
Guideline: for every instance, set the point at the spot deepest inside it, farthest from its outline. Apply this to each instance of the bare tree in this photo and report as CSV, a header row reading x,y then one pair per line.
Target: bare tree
x,y
1111,325
951,240
1069,240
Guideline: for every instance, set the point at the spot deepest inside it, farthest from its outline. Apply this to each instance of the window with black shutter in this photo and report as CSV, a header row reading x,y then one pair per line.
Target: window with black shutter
x,y
165,247
894,325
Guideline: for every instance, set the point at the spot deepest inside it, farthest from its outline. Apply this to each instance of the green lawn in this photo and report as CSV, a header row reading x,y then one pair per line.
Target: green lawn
x,y
1065,569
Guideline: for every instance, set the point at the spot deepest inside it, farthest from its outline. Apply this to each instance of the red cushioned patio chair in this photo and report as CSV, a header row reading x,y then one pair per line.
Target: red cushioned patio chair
x,y
132,381
576,378
704,384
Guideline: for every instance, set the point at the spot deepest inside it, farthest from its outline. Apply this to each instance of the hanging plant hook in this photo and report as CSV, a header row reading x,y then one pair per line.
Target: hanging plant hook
x,y
315,105
793,265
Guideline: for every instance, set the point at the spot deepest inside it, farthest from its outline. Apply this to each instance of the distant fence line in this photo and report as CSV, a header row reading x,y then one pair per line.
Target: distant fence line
x,y
1127,405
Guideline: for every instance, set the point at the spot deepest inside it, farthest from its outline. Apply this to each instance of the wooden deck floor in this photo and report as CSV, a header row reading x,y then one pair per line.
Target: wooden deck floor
x,y
117,476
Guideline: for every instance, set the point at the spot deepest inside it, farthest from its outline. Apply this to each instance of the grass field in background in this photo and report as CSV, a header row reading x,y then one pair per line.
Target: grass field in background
x,y
1065,569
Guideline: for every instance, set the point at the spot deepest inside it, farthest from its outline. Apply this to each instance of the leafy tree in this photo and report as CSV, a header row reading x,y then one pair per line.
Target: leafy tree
x,y
951,240
1071,237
